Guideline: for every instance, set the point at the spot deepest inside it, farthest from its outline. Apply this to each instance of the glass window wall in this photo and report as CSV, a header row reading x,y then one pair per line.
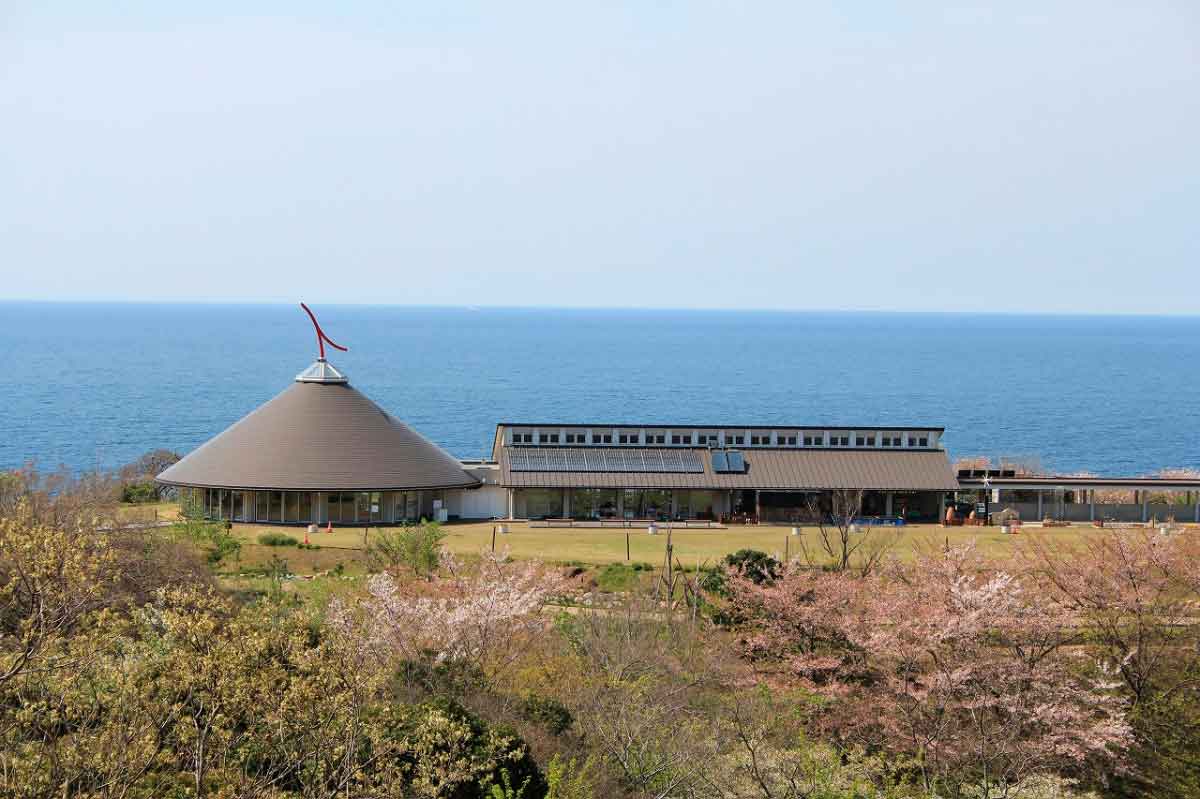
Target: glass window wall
x,y
594,503
539,503
646,504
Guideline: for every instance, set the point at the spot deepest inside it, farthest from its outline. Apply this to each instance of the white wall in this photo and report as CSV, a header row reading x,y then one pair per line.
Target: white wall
x,y
485,502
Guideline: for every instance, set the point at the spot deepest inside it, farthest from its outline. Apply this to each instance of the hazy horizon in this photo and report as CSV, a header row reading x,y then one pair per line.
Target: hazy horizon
x,y
317,305
1021,159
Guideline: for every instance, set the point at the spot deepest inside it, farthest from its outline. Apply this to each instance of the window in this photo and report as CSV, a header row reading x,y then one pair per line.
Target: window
x,y
892,441
923,442
656,438
738,440
601,438
538,503
702,439
681,439
760,441
839,441
522,438
813,441
547,438
912,441
870,441
576,438
790,440
291,507
628,438
593,503
860,441
649,504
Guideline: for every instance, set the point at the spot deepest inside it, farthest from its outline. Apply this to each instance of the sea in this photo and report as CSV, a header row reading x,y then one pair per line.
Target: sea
x,y
92,386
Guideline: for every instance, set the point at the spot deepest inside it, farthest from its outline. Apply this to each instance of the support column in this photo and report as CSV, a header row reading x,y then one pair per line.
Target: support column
x,y
511,502
757,507
887,503
1092,504
1040,514
566,503
1198,512
1145,506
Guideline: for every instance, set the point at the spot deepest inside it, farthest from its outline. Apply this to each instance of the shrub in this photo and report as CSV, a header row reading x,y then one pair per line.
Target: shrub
x,y
416,548
453,753
759,567
713,581
569,779
548,712
145,491
223,545
276,540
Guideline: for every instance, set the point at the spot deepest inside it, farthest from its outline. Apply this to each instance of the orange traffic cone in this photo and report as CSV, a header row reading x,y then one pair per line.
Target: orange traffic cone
x,y
305,536
329,528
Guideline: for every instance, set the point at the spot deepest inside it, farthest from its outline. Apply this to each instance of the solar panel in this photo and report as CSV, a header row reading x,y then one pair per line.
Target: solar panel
x,y
614,461
719,461
737,462
567,459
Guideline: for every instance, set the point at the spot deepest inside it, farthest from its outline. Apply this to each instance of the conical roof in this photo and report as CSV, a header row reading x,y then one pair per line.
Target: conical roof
x,y
320,434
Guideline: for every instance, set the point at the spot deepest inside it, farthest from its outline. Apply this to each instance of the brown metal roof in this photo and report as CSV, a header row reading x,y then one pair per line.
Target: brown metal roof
x,y
772,469
319,436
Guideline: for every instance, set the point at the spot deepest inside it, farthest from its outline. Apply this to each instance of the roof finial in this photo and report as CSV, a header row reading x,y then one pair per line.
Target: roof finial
x,y
322,339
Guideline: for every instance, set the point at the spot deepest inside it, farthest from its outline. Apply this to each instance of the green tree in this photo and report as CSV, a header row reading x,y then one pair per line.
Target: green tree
x,y
414,547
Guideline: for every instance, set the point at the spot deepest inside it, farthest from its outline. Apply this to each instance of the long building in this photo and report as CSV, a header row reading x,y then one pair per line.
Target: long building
x,y
762,473
322,452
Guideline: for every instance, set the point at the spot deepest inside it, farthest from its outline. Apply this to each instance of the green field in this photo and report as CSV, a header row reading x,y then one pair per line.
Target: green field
x,y
602,546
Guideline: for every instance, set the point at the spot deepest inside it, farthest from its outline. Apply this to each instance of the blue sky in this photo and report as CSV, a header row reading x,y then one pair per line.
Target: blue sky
x,y
1005,156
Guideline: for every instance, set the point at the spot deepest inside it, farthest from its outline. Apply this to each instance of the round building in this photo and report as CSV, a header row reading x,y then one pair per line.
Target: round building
x,y
319,452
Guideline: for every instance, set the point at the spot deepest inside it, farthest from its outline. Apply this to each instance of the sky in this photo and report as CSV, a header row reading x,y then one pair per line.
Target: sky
x,y
1017,156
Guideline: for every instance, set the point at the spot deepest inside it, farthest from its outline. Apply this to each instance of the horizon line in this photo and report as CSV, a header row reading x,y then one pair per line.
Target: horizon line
x,y
634,308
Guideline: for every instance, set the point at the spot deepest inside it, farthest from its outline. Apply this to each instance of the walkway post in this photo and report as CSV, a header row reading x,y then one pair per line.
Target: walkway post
x,y
1092,504
1040,514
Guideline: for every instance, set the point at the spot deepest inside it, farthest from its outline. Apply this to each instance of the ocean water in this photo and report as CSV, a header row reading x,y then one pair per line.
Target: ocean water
x,y
95,385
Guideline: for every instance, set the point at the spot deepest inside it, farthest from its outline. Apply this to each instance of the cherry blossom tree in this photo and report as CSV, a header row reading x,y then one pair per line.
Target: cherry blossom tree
x,y
947,661
1137,593
474,616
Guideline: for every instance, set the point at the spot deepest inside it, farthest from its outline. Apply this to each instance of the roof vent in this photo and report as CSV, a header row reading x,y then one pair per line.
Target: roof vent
x,y
321,372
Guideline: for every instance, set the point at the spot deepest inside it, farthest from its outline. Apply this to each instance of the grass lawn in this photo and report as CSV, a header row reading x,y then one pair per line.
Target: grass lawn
x,y
598,546
148,511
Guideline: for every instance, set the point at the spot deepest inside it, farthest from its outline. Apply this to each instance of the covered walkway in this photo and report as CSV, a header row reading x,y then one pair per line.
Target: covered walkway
x,y
1087,499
